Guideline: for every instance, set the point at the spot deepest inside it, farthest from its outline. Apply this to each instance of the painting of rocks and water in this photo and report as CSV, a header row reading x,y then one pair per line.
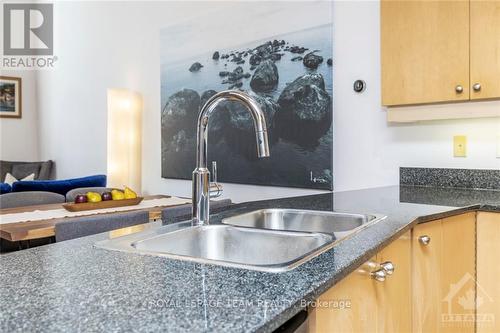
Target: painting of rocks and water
x,y
286,68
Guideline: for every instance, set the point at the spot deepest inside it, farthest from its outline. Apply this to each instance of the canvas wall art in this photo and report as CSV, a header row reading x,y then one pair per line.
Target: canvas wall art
x,y
10,97
278,52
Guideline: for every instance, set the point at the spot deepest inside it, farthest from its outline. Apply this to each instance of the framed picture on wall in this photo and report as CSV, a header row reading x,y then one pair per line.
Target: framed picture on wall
x,y
285,65
10,97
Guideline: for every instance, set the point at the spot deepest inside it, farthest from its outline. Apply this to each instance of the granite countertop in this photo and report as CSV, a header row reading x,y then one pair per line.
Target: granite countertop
x,y
74,286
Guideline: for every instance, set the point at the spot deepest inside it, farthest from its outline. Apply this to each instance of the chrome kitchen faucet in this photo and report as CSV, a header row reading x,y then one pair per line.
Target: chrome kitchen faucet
x,y
203,189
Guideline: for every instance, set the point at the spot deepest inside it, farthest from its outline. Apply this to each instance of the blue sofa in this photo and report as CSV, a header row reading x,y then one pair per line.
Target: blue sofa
x,y
5,188
59,186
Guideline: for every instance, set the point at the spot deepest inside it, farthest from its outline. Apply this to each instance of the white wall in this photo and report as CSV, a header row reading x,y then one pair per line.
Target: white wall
x,y
368,151
19,137
104,45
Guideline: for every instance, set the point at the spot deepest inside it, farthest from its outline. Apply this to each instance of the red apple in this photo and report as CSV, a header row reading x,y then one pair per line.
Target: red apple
x,y
81,198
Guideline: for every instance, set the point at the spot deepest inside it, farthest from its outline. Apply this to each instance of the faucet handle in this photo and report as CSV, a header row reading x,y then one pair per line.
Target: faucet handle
x,y
215,188
214,171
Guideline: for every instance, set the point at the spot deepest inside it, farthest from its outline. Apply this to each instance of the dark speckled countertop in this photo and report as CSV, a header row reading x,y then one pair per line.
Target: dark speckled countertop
x,y
73,286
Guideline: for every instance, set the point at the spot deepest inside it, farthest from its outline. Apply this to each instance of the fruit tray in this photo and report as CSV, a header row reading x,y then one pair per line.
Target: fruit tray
x,y
78,207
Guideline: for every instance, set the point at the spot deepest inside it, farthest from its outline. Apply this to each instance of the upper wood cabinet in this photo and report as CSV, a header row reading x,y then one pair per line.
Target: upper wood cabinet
x,y
425,51
484,49
438,51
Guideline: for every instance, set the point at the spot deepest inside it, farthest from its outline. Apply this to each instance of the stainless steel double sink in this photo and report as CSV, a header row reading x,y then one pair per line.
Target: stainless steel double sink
x,y
272,240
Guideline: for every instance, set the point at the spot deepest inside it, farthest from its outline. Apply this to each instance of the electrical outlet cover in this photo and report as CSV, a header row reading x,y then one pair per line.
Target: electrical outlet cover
x,y
460,146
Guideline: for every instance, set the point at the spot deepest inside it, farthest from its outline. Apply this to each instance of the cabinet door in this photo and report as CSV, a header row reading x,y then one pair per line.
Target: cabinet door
x,y
358,290
444,275
458,273
394,313
424,51
485,49
426,277
488,272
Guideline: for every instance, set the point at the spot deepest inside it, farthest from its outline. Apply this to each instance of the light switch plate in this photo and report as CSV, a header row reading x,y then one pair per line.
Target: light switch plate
x,y
460,146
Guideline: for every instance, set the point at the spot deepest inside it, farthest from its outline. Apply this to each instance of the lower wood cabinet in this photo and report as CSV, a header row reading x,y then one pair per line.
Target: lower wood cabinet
x,y
444,275
394,294
349,306
488,272
360,303
426,247
446,279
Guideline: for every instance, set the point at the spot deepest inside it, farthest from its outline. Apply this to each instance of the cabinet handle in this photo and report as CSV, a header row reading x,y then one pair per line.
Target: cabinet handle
x,y
379,275
459,89
476,87
424,240
388,267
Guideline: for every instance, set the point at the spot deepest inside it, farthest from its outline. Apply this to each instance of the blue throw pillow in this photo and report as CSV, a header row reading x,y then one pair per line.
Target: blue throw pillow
x,y
59,186
5,188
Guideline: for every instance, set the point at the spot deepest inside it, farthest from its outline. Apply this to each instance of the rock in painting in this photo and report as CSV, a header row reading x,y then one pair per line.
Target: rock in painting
x,y
255,59
329,62
218,119
216,55
307,79
276,56
268,105
180,111
205,96
195,67
264,49
305,108
241,119
238,70
297,49
312,60
265,78
240,125
179,141
236,85
306,98
236,59
234,78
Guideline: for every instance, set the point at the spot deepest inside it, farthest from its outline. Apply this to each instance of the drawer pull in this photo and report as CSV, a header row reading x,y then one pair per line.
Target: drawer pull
x,y
379,275
388,267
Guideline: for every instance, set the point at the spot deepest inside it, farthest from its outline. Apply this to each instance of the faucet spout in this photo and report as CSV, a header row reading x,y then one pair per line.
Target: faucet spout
x,y
201,175
262,144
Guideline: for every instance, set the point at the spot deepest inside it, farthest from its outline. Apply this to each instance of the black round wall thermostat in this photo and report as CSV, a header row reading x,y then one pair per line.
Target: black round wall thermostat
x,y
359,86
